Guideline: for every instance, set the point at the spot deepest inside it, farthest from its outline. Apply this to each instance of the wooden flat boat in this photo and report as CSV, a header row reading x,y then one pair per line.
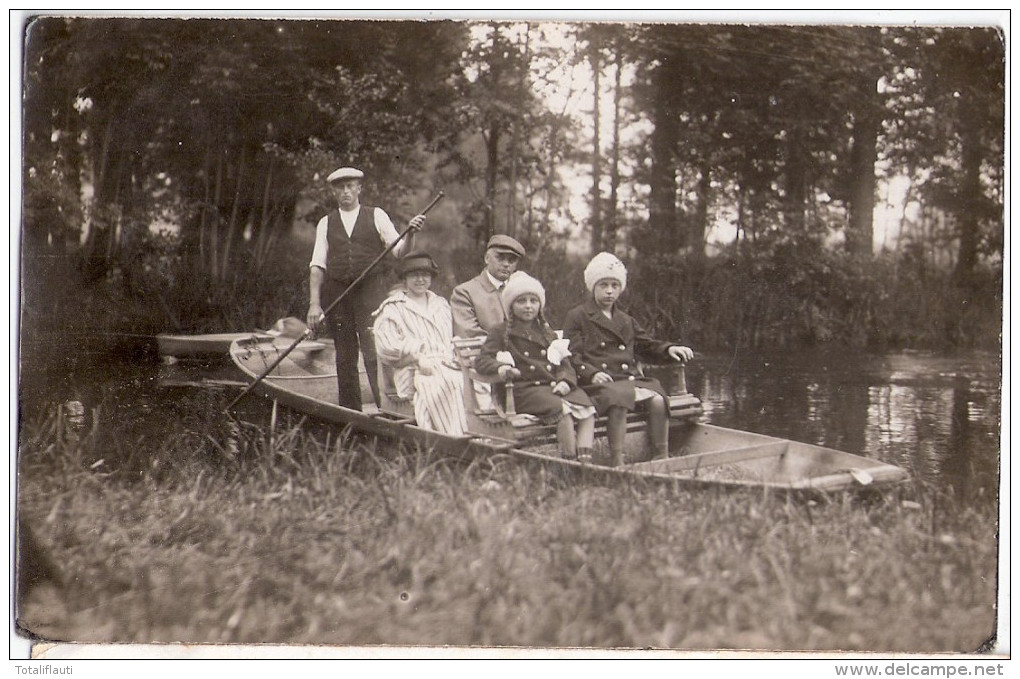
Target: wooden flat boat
x,y
213,345
701,454
200,346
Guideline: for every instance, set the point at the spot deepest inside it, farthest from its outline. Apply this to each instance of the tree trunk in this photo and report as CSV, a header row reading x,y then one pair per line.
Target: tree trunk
x,y
741,200
699,225
796,182
491,179
204,209
662,208
263,235
968,220
596,155
511,193
548,183
863,155
234,223
612,225
214,225
104,160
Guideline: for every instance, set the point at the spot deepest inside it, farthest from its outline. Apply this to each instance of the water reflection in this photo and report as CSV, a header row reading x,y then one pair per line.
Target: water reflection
x,y
936,416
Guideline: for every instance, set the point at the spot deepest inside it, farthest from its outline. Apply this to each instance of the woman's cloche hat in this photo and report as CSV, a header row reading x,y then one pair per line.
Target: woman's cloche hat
x,y
417,261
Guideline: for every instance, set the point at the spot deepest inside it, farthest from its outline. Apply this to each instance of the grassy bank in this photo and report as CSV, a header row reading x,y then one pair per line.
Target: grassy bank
x,y
317,539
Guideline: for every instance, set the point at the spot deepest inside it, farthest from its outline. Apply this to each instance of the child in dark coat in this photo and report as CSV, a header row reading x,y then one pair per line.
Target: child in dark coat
x,y
607,344
526,350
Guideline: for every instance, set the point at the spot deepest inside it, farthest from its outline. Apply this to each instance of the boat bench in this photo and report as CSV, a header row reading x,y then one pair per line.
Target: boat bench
x,y
391,401
504,422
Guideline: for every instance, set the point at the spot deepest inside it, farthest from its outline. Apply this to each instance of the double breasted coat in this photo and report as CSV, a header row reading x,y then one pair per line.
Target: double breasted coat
x,y
613,346
533,390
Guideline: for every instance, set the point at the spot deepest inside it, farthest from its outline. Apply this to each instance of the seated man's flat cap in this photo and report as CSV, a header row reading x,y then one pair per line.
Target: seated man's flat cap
x,y
505,243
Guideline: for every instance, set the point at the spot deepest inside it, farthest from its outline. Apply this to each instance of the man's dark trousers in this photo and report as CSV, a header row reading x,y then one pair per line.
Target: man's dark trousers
x,y
352,331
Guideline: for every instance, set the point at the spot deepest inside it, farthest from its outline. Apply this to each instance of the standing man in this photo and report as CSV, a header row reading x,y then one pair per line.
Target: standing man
x,y
347,241
476,303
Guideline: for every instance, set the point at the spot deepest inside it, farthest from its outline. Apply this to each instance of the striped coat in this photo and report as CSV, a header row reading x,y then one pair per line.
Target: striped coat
x,y
407,335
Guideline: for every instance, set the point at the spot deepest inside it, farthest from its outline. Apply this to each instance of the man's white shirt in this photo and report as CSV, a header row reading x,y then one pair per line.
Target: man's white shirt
x,y
383,224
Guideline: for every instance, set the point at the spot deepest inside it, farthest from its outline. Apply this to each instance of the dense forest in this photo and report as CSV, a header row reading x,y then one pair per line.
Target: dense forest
x,y
174,169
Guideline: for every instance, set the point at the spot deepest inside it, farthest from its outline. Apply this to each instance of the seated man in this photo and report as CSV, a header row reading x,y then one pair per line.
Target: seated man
x,y
476,304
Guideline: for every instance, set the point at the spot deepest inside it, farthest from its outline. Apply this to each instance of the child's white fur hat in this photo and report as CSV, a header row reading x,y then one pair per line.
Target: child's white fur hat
x,y
605,265
521,283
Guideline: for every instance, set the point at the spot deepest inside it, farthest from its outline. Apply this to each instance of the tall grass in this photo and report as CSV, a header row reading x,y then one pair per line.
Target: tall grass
x,y
311,536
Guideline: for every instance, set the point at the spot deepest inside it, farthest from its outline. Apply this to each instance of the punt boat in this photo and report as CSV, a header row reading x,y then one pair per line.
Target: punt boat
x,y
217,345
700,454
210,345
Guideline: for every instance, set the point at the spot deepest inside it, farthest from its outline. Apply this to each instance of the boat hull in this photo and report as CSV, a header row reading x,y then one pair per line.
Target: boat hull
x,y
701,455
195,346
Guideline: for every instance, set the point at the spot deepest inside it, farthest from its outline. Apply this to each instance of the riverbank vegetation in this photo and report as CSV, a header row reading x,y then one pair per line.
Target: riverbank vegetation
x,y
311,537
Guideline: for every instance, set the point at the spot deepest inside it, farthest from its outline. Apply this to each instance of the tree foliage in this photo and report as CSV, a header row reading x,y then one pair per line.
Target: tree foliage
x,y
777,135
948,129
224,127
509,144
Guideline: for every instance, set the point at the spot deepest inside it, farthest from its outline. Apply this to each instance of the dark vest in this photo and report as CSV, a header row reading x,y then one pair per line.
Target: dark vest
x,y
349,256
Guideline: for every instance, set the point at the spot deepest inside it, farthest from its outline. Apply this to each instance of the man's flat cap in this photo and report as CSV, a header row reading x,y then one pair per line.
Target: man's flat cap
x,y
345,173
505,243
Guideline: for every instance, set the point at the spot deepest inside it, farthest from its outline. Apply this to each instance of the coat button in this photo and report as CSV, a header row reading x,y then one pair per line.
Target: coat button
x,y
542,353
526,353
552,384
624,366
532,367
623,347
604,366
631,378
549,368
602,344
537,383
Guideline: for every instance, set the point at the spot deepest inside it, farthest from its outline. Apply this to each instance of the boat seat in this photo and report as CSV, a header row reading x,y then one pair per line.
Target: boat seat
x,y
391,401
466,351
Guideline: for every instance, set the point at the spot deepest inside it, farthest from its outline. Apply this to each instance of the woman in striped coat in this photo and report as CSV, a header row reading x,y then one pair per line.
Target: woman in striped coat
x,y
413,331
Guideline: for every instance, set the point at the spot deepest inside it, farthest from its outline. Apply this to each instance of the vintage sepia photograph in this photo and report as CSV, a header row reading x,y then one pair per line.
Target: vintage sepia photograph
x,y
502,333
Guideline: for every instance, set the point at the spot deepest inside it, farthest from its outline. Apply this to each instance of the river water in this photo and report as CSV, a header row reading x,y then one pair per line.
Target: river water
x,y
938,416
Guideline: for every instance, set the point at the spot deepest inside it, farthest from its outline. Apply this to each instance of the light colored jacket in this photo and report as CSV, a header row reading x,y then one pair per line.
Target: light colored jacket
x,y
477,307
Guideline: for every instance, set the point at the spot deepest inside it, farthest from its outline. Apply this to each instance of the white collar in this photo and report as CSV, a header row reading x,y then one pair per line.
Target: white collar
x,y
496,283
